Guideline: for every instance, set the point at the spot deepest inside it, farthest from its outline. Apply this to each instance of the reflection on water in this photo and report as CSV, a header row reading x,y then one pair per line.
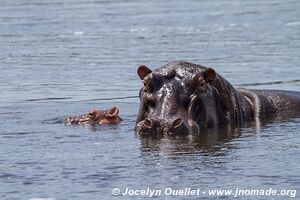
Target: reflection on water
x,y
209,141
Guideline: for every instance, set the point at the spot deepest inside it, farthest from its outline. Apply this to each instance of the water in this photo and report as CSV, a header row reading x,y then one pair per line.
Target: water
x,y
62,58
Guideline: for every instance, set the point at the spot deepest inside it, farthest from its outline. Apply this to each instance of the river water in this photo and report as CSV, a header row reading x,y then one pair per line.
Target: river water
x,y
62,58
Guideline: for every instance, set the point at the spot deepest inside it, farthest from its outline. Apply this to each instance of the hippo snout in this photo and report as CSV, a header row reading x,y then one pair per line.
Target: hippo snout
x,y
174,126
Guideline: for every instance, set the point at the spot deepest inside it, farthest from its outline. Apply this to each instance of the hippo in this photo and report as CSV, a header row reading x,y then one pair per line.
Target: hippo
x,y
182,97
95,117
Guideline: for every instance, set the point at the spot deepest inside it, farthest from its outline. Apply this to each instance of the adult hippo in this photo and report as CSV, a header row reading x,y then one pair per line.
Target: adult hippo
x,y
183,97
95,117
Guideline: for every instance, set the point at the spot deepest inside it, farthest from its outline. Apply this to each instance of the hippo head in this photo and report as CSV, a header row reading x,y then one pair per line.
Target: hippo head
x,y
94,117
104,117
176,100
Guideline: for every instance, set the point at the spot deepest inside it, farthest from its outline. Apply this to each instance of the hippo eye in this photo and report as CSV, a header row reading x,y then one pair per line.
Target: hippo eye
x,y
171,75
185,100
151,103
152,83
202,85
148,86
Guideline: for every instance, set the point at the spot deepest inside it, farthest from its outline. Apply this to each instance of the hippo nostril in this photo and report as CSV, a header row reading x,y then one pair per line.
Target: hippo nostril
x,y
92,113
148,123
177,122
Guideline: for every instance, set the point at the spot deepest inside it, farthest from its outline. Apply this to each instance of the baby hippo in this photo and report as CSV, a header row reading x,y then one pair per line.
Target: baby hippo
x,y
95,117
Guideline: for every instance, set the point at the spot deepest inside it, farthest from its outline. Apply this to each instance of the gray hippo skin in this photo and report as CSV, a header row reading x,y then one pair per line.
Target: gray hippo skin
x,y
183,97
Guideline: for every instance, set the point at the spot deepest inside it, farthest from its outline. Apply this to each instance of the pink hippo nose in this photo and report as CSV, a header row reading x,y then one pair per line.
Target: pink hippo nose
x,y
148,123
177,123
147,126
175,126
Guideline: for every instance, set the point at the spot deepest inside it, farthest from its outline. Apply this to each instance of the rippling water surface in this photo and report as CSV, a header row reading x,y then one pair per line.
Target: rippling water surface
x,y
60,58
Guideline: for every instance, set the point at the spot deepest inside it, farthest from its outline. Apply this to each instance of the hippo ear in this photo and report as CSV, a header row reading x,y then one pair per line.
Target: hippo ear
x,y
209,75
114,111
143,71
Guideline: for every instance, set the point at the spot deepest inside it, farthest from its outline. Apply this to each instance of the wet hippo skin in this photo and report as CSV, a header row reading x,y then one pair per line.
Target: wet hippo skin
x,y
183,97
95,117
